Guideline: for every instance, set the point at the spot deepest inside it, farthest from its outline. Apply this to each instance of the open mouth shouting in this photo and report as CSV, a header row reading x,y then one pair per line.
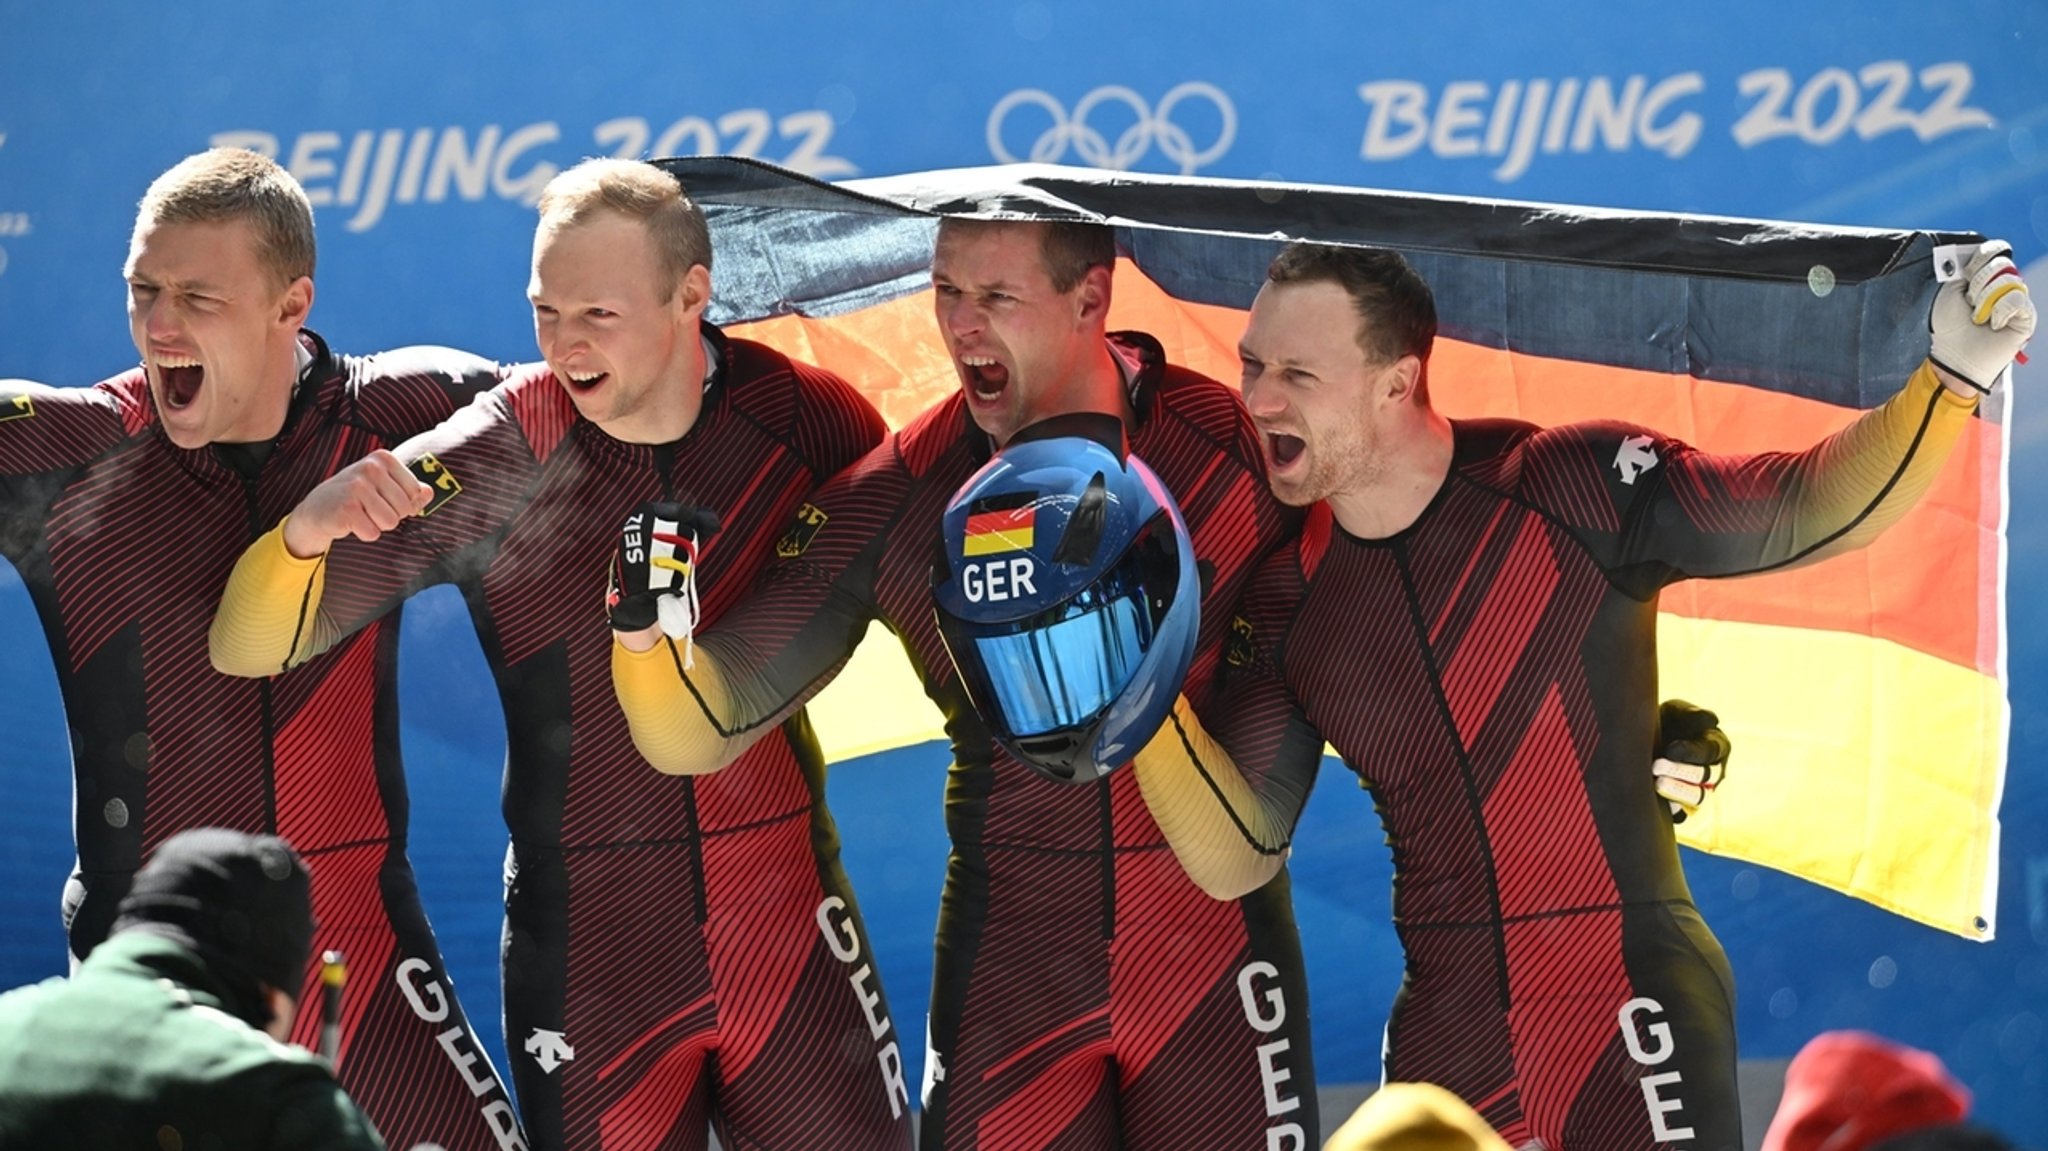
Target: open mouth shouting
x,y
179,378
1282,450
986,378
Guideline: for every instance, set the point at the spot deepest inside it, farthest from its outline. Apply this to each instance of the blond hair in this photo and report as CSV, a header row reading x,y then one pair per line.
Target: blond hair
x,y
638,191
221,185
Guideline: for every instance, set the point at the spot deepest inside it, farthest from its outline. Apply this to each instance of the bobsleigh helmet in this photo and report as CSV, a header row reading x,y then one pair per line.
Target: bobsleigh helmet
x,y
1067,594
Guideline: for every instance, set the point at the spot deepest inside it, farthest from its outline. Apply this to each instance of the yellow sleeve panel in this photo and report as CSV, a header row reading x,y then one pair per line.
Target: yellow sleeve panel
x,y
269,618
1848,471
1226,837
669,710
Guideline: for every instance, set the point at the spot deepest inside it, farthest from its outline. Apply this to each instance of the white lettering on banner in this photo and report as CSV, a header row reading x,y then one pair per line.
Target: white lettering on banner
x,y
741,133
429,1001
1473,118
1664,1047
1265,1008
1515,120
999,580
1831,101
835,923
1081,133
372,169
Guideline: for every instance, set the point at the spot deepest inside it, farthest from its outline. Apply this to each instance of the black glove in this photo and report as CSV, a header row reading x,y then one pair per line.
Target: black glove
x,y
1693,759
653,568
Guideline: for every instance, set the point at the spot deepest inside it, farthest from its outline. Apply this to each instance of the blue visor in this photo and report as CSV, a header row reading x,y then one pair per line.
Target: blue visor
x,y
1063,673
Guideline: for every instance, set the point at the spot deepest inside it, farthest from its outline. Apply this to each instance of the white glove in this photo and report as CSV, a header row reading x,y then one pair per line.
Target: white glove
x,y
1982,319
1685,786
1693,759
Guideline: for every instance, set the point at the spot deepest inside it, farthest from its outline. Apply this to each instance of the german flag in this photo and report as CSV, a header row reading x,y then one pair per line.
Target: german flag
x,y
1865,694
999,530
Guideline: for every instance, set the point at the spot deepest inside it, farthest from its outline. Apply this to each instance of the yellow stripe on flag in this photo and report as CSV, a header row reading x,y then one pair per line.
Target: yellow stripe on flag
x,y
1859,764
1879,777
1000,540
876,704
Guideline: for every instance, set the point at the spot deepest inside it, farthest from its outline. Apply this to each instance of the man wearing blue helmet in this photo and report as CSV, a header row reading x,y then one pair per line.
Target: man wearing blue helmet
x,y
1067,596
1087,993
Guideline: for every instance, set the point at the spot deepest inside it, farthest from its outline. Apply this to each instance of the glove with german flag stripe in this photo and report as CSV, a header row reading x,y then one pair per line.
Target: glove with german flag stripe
x,y
654,567
1982,318
1693,756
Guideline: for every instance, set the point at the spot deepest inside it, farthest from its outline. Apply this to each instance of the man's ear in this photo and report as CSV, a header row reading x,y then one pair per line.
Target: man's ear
x,y
296,303
1400,379
693,295
1092,295
284,1011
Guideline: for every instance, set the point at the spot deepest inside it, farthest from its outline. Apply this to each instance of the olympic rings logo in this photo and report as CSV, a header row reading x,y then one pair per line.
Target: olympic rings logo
x,y
1091,147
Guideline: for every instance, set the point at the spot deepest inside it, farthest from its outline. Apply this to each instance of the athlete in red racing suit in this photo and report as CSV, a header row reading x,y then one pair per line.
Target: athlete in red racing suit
x,y
123,505
679,954
1086,993
1484,656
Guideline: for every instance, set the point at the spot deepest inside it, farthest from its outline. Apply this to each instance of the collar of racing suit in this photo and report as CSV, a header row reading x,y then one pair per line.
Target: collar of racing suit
x,y
715,353
309,357
616,452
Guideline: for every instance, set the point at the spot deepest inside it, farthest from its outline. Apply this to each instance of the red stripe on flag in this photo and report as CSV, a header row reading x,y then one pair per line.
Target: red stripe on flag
x,y
1009,520
1902,588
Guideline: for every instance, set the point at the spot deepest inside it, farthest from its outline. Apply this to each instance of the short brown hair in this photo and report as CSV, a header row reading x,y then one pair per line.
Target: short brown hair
x,y
224,184
638,191
1067,248
1396,311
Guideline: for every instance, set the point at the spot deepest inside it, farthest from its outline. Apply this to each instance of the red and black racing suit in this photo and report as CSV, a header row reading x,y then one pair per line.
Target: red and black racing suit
x,y
679,953
1490,672
124,541
1086,993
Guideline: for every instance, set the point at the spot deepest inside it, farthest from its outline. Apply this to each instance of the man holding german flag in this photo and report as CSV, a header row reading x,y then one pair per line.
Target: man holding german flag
x,y
1469,618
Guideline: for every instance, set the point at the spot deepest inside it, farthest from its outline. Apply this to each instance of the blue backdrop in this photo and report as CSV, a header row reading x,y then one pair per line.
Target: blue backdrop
x,y
423,133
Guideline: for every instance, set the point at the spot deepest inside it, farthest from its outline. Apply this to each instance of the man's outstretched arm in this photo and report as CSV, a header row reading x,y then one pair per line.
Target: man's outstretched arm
x,y
1717,516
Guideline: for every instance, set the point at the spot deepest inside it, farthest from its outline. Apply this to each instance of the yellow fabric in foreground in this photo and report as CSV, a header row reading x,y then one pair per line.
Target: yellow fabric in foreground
x,y
1414,1117
1880,780
876,703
